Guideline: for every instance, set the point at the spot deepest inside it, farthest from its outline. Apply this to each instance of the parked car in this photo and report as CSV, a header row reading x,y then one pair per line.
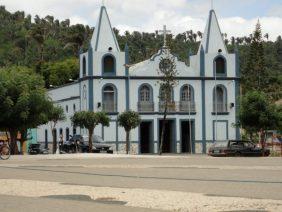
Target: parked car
x,y
99,145
80,143
237,148
34,149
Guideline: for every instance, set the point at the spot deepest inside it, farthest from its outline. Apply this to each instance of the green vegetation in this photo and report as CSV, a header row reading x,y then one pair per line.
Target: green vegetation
x,y
89,120
128,120
23,102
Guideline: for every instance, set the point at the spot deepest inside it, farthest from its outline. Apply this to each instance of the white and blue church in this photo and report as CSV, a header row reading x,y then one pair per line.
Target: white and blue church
x,y
203,105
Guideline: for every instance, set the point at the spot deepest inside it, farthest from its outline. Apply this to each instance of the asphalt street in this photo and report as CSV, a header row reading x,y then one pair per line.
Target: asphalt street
x,y
259,178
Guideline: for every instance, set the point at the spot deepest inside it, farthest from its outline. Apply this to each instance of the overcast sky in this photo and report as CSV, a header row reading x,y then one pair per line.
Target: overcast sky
x,y
236,17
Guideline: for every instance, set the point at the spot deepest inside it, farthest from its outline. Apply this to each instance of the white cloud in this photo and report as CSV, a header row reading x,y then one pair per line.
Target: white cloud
x,y
150,15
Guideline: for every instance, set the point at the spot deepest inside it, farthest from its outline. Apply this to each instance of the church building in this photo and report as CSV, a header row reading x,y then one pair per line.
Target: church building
x,y
203,105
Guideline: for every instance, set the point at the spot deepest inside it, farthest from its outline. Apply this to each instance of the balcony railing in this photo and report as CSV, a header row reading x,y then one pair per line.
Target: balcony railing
x,y
109,107
146,106
186,106
220,108
178,107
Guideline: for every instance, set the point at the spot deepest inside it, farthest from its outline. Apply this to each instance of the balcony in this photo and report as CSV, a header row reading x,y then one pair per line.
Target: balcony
x,y
146,106
220,108
182,107
187,106
109,107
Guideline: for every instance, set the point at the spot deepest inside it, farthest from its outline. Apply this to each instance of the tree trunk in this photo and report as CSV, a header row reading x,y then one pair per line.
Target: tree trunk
x,y
91,131
23,139
13,144
127,141
163,130
54,141
262,135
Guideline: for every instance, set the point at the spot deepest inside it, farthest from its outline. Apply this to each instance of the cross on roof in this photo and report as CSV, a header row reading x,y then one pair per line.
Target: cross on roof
x,y
165,32
103,2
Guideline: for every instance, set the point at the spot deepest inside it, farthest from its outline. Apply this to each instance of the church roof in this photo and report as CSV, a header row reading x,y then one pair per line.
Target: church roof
x,y
212,39
104,37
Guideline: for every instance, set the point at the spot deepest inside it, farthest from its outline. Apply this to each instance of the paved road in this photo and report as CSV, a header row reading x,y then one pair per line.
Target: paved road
x,y
231,177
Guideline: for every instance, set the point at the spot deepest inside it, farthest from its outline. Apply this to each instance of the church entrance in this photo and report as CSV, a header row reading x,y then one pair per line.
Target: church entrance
x,y
146,137
169,136
186,136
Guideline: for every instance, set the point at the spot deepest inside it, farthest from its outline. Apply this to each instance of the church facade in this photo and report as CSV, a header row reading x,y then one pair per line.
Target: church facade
x,y
202,108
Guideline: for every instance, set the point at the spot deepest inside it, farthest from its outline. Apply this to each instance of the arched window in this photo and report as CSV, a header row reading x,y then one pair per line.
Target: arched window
x,y
220,66
109,99
220,99
61,131
67,108
187,93
109,65
145,94
187,99
166,92
83,66
74,131
67,134
74,108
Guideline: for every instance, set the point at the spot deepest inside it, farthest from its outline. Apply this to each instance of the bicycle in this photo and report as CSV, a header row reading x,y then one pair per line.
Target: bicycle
x,y
5,152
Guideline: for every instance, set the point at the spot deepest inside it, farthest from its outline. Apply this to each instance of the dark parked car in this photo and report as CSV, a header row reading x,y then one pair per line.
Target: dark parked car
x,y
237,148
79,143
35,149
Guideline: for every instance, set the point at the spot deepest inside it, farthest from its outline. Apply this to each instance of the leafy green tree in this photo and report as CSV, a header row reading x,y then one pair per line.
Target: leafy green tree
x,y
168,74
258,114
89,120
55,114
254,75
128,120
23,101
59,73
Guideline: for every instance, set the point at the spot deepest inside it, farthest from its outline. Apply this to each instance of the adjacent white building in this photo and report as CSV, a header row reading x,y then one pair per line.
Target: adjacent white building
x,y
203,105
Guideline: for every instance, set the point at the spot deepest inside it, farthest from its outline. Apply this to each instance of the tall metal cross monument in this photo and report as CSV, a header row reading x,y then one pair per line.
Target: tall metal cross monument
x,y
165,32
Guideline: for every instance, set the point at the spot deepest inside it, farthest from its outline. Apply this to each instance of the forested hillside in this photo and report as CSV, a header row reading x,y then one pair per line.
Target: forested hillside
x,y
50,47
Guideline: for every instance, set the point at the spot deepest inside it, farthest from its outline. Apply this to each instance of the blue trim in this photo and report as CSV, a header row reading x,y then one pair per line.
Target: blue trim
x,y
151,92
117,149
169,113
128,77
204,115
202,62
203,84
227,127
214,66
91,86
173,144
154,78
193,133
115,97
113,73
152,133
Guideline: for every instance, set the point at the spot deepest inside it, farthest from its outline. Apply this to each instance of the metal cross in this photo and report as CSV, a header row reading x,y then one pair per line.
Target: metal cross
x,y
165,32
103,2
212,4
